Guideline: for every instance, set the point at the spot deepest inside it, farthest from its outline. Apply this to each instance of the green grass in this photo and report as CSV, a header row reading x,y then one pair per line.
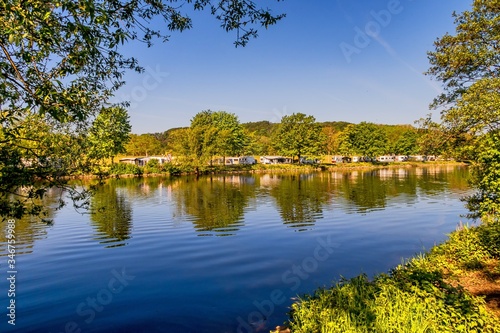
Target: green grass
x,y
417,296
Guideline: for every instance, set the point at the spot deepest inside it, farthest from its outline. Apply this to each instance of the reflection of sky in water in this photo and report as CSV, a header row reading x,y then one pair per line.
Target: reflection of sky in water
x,y
188,283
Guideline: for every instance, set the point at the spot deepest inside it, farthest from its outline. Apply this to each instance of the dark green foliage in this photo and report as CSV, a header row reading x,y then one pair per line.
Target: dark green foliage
x,y
407,143
468,65
125,169
144,145
162,138
264,127
489,236
298,135
364,139
401,139
486,178
336,125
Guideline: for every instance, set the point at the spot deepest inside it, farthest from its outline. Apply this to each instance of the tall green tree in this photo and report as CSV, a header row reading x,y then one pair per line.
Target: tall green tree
x,y
468,65
345,145
178,143
407,143
109,133
257,144
433,137
365,139
61,60
231,138
215,133
298,135
331,137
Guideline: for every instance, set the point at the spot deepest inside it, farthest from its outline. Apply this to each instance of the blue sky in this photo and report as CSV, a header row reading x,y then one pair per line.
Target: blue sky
x,y
319,60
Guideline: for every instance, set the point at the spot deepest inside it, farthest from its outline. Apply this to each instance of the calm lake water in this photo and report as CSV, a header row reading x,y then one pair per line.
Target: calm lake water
x,y
220,253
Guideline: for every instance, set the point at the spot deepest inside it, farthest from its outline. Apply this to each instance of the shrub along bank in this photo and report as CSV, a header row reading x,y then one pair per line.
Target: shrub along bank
x,y
455,287
154,168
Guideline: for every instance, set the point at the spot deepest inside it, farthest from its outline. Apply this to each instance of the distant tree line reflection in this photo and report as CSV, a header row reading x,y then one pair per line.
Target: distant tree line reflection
x,y
218,204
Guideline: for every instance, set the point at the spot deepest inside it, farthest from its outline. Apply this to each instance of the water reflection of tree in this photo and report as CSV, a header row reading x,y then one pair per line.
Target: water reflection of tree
x,y
111,215
458,178
371,190
436,179
366,191
32,228
217,204
138,188
300,199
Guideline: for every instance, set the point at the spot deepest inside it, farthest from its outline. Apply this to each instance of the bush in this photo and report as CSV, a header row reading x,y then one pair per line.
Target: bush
x,y
173,169
463,250
125,169
489,236
153,166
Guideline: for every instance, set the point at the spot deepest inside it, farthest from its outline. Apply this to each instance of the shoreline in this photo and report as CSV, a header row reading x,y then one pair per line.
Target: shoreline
x,y
453,287
266,168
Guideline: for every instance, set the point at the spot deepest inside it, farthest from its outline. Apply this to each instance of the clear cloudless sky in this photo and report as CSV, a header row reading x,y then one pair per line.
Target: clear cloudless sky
x,y
319,60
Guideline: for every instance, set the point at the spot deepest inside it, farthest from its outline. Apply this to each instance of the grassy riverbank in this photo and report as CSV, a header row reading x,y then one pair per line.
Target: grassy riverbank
x,y
155,169
455,287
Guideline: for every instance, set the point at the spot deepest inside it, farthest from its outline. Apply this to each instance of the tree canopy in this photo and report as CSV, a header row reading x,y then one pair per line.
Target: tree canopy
x,y
468,65
298,135
109,133
211,133
144,145
406,144
365,139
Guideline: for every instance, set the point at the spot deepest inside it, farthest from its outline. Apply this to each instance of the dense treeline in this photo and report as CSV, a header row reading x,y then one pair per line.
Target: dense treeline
x,y
330,138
